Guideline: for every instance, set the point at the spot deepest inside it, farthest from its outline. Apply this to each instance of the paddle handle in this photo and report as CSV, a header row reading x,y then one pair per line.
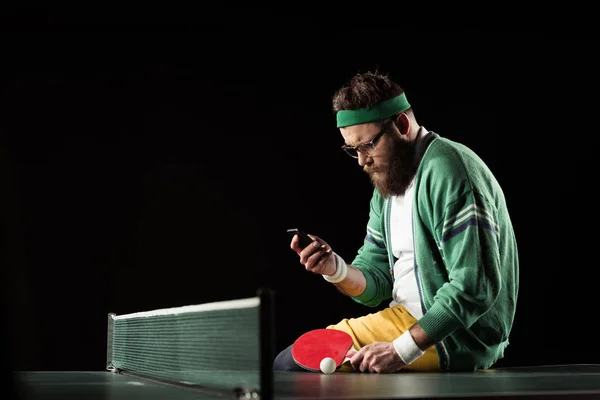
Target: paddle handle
x,y
349,355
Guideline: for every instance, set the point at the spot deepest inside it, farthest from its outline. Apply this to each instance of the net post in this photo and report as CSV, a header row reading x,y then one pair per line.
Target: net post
x,y
267,342
109,342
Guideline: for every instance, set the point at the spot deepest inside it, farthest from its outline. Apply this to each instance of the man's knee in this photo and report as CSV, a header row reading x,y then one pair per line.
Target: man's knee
x,y
285,362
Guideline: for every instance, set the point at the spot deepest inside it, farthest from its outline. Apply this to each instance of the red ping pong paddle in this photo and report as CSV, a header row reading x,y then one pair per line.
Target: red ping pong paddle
x,y
313,346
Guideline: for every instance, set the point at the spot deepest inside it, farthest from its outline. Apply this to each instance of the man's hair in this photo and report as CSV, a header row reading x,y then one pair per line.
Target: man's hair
x,y
365,90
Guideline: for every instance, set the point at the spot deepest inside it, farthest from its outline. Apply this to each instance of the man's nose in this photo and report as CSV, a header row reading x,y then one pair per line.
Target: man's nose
x,y
362,159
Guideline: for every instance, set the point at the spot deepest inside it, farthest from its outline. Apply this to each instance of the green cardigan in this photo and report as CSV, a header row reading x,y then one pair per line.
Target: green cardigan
x,y
466,258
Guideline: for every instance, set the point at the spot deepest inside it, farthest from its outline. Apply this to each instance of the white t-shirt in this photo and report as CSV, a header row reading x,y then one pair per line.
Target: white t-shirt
x,y
405,291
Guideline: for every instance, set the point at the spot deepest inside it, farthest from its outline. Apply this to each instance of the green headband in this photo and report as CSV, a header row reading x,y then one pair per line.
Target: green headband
x,y
379,111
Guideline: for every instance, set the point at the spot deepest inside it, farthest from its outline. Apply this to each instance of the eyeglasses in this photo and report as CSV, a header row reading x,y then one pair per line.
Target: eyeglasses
x,y
368,148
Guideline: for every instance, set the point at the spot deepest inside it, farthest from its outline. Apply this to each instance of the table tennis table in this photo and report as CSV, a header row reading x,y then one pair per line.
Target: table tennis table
x,y
193,352
536,382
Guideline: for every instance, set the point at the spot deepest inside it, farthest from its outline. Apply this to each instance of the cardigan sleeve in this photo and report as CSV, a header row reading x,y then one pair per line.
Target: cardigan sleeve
x,y
468,239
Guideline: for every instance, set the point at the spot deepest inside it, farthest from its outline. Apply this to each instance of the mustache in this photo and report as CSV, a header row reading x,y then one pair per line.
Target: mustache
x,y
370,170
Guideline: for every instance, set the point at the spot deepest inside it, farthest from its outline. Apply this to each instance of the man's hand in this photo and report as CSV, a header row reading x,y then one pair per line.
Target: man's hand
x,y
317,257
320,259
378,357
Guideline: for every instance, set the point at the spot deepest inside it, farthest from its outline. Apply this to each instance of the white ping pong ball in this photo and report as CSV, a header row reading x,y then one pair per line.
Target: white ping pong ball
x,y
328,365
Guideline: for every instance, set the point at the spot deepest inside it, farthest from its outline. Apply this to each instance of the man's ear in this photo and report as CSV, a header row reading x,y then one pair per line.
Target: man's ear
x,y
402,123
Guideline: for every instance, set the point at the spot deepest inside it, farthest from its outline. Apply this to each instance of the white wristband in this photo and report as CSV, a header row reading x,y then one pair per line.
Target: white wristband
x,y
407,348
341,270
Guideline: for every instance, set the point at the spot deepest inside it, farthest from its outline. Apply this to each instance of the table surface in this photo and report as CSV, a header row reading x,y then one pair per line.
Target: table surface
x,y
554,381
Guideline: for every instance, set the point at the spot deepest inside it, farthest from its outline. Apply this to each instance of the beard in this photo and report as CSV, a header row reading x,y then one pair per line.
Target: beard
x,y
394,178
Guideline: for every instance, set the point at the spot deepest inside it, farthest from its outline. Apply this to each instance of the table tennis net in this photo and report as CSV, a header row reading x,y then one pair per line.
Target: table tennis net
x,y
214,345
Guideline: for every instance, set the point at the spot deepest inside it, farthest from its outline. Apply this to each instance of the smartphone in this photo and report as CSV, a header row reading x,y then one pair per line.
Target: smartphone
x,y
305,240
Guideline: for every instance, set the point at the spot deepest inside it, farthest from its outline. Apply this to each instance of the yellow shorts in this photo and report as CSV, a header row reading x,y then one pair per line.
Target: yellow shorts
x,y
385,326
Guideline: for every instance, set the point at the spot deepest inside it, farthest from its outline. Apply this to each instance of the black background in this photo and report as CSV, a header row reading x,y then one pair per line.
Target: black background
x,y
157,160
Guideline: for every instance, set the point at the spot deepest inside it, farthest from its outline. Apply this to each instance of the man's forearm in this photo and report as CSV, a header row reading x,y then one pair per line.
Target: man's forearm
x,y
421,338
354,283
